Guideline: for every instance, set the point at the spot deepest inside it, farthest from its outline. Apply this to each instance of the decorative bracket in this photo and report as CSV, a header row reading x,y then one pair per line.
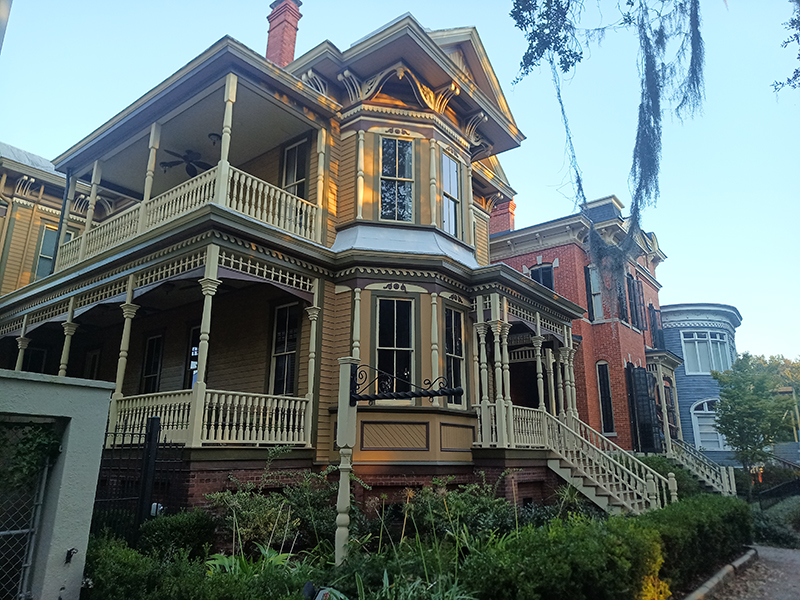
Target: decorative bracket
x,y
316,82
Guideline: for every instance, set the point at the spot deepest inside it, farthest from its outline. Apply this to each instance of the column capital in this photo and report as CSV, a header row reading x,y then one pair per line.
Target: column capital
x,y
505,328
482,328
563,354
349,360
313,313
129,310
22,342
69,328
209,285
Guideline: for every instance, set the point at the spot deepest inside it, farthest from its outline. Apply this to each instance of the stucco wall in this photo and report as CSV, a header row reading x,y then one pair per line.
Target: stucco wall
x,y
81,407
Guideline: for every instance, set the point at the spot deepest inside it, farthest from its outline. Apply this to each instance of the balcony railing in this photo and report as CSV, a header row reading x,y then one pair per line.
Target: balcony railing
x,y
243,193
228,418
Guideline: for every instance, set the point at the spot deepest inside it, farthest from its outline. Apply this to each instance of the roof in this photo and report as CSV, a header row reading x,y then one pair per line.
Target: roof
x,y
26,158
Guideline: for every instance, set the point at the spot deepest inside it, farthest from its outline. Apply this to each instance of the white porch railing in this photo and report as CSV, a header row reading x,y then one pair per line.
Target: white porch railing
x,y
244,194
172,407
588,453
239,418
718,477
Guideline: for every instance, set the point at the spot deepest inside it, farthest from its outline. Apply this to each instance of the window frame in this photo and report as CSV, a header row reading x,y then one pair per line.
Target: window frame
x,y
295,353
412,341
594,299
284,170
410,180
156,376
606,404
459,402
91,363
68,235
452,201
714,343
722,442
542,268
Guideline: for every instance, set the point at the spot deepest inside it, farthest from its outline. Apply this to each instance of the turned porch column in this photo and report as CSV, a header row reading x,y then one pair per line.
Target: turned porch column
x,y
322,148
499,401
551,388
433,181
313,316
97,172
476,368
486,422
504,329
69,330
153,144
223,167
360,176
128,312
664,410
208,284
573,386
567,384
22,344
356,353
435,342
562,412
346,441
537,349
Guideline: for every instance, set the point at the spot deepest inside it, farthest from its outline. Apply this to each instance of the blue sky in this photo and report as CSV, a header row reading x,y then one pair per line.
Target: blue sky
x,y
730,179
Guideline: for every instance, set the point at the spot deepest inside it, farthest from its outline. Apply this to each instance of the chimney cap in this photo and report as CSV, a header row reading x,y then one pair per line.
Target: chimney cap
x,y
279,2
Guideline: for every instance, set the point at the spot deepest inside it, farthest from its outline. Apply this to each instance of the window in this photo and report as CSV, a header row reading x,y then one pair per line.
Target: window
x,y
451,205
454,352
705,429
395,344
193,352
47,250
151,370
284,350
604,387
656,328
294,169
705,351
34,360
636,300
543,274
91,366
594,296
397,186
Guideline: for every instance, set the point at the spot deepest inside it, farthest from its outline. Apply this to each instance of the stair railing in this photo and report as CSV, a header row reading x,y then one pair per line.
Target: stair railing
x,y
703,467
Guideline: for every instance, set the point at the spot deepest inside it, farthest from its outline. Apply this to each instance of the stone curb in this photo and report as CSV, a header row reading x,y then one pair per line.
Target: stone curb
x,y
723,575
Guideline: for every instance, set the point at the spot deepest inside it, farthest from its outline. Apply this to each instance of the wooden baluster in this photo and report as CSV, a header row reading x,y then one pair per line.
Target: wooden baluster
x,y
247,205
226,418
295,425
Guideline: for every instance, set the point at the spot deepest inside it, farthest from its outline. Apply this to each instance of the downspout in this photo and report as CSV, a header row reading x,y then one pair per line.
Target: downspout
x,y
63,218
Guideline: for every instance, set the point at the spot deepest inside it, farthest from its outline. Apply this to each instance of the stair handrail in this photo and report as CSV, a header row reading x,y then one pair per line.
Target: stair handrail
x,y
701,465
645,496
786,463
596,438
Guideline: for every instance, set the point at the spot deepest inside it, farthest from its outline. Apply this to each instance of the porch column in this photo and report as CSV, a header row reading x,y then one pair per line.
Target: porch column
x,y
128,312
153,144
346,440
677,407
69,331
357,324
573,386
209,284
322,147
568,397
551,388
468,234
560,384
22,344
486,423
476,368
499,401
313,316
504,329
97,172
435,342
73,183
664,411
223,168
433,181
537,349
360,176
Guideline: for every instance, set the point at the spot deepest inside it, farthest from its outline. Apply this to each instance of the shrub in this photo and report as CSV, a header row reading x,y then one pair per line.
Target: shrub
x,y
688,486
772,531
190,530
698,534
116,571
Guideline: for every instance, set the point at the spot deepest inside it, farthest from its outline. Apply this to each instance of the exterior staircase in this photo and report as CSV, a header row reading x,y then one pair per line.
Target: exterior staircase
x,y
713,476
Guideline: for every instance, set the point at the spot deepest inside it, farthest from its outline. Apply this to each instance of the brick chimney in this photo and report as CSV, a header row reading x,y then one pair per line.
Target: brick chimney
x,y
502,218
282,31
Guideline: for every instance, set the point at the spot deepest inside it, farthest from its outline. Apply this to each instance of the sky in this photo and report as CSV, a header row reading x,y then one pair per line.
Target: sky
x,y
730,178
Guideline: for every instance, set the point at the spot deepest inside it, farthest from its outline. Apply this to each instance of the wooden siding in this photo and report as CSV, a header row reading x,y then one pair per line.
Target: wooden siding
x,y
347,180
335,153
266,167
482,239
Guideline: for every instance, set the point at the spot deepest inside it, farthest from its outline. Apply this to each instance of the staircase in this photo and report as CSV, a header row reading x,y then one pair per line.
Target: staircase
x,y
608,475
717,478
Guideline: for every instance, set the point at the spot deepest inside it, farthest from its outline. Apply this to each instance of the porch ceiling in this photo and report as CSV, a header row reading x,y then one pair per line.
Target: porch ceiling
x,y
260,123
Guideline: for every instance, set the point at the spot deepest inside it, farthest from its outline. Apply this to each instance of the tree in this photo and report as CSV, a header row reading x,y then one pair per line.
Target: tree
x,y
750,414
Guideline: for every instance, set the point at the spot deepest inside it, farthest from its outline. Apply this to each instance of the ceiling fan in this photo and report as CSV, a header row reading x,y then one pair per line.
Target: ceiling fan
x,y
190,158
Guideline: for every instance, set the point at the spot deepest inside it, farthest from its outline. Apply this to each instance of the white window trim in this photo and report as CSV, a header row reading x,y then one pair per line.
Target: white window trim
x,y
461,359
595,295
412,341
693,344
411,180
274,354
458,233
723,445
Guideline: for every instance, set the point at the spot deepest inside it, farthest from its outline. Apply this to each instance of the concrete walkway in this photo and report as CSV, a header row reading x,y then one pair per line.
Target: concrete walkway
x,y
774,576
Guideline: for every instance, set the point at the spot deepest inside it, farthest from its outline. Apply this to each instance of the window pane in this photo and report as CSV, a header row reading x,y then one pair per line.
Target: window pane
x,y
291,333
279,385
300,160
403,370
290,168
450,216
448,331
690,357
403,324
386,324
458,338
388,199
704,356
404,201
404,159
389,158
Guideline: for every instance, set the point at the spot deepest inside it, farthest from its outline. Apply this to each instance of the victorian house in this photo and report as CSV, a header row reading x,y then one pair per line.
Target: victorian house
x,y
280,214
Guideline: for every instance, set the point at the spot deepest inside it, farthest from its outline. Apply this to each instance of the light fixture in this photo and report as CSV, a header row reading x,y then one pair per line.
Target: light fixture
x,y
215,138
164,166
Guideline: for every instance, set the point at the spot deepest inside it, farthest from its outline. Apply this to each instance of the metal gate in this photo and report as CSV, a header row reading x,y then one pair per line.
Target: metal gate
x,y
25,451
140,477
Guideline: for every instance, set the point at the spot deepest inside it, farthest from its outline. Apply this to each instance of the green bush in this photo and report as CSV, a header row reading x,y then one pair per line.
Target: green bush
x,y
577,559
698,534
688,486
190,530
772,531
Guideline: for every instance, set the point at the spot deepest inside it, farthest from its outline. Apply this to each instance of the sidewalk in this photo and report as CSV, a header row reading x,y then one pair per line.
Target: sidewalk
x,y
774,576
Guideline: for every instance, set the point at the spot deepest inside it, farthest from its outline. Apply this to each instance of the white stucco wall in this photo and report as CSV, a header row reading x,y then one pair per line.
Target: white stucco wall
x,y
81,406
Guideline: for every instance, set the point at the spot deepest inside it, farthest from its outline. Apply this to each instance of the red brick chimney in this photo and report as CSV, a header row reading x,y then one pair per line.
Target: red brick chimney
x,y
502,218
282,31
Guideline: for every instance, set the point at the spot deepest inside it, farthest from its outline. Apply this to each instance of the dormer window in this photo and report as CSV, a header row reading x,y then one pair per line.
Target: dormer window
x,y
397,182
294,169
451,203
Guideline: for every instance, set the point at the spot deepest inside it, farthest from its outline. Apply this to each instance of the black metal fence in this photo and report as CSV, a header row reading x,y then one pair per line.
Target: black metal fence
x,y
769,498
140,477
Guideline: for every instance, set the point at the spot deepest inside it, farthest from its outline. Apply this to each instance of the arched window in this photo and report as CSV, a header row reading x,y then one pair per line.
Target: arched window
x,y
706,435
